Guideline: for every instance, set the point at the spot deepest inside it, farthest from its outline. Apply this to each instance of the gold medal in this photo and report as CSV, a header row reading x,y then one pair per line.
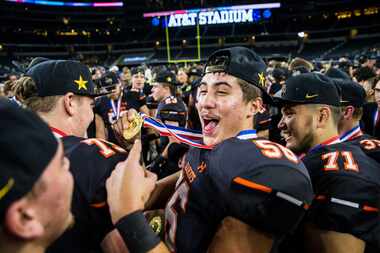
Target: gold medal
x,y
134,127
156,224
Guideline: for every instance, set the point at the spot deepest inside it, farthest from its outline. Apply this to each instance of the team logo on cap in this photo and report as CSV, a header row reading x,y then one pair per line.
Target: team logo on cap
x,y
81,83
307,96
261,79
6,188
169,79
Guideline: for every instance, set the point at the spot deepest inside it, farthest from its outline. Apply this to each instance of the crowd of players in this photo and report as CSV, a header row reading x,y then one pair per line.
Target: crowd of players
x,y
289,157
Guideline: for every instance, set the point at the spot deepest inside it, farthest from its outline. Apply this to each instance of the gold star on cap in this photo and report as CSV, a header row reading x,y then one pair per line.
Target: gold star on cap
x,y
6,188
169,79
261,79
81,83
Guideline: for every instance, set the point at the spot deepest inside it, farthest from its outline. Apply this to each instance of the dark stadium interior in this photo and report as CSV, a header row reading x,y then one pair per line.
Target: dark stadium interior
x,y
103,34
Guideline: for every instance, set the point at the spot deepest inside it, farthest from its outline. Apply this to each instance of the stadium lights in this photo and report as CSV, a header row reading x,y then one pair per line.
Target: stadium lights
x,y
65,20
70,4
302,35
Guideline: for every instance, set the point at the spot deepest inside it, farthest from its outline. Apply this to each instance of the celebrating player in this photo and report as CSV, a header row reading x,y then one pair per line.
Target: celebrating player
x,y
236,175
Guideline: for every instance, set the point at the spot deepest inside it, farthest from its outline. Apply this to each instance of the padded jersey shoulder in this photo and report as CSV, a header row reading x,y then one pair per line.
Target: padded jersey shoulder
x,y
369,145
344,158
235,157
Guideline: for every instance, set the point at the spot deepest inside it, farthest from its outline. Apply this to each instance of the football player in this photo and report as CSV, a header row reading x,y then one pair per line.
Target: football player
x,y
62,93
344,214
257,186
353,99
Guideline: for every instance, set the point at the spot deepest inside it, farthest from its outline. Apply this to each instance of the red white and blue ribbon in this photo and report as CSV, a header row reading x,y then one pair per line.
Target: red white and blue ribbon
x,y
331,141
351,134
190,137
116,109
57,133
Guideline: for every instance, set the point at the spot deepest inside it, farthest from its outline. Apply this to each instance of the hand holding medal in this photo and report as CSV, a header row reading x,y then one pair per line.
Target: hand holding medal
x,y
128,128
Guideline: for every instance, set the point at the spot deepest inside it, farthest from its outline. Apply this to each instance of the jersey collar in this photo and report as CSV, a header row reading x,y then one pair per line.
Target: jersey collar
x,y
330,141
351,134
58,133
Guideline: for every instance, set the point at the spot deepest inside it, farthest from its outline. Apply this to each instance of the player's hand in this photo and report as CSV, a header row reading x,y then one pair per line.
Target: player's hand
x,y
121,125
129,186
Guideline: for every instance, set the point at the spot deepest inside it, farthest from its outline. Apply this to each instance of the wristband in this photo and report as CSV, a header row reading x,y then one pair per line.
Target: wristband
x,y
136,233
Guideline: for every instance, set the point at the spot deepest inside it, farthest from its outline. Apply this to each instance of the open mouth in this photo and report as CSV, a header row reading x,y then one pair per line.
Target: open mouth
x,y
285,136
209,126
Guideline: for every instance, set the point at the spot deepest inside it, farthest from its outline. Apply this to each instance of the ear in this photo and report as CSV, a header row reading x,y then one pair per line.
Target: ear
x,y
69,103
323,116
348,111
255,106
21,220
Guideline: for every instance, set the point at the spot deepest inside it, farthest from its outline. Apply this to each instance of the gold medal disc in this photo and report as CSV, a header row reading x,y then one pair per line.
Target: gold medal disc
x,y
134,127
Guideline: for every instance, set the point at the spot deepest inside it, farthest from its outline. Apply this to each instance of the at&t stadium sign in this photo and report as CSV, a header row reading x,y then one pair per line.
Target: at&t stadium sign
x,y
220,15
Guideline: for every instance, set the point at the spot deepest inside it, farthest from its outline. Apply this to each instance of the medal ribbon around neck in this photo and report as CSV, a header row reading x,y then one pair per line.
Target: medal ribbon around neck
x,y
190,137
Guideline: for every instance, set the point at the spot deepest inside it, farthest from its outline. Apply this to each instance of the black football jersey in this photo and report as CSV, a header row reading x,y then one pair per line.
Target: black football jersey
x,y
104,108
346,184
256,181
91,163
135,99
369,145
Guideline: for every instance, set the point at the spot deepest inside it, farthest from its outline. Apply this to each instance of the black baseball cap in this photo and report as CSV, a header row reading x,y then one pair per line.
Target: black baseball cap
x,y
310,88
352,93
280,73
194,71
58,77
166,76
138,69
36,61
364,73
337,73
110,79
300,70
242,63
27,146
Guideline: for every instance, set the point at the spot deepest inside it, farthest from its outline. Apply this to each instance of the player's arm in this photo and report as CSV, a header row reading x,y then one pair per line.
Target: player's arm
x,y
323,241
161,194
128,189
113,243
236,236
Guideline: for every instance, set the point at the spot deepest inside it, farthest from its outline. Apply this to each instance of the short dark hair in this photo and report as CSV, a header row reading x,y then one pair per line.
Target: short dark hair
x,y
250,92
358,113
336,111
173,89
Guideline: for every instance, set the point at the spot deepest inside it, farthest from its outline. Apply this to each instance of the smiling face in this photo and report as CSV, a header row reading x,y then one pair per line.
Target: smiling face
x,y
138,81
297,126
182,77
222,109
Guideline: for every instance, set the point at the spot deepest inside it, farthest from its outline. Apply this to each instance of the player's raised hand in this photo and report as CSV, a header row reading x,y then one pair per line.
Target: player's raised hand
x,y
130,185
